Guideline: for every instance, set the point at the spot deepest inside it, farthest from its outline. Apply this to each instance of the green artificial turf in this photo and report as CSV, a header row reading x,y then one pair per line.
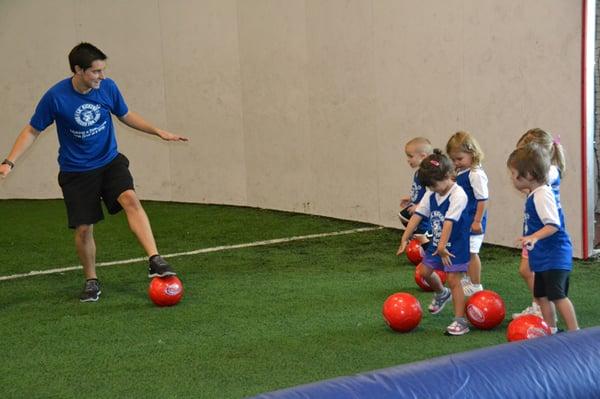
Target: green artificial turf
x,y
251,320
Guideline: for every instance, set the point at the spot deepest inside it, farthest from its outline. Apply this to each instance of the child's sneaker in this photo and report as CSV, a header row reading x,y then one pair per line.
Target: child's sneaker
x,y
439,301
534,309
465,280
472,289
159,267
91,291
458,327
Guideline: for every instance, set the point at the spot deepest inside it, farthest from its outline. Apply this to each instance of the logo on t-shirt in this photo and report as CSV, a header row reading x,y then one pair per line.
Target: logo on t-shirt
x,y
414,192
437,223
87,114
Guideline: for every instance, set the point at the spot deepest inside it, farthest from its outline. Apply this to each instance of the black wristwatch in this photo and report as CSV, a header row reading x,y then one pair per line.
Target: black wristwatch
x,y
9,163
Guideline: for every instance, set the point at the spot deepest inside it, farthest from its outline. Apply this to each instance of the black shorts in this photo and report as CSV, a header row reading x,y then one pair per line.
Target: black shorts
x,y
84,191
553,284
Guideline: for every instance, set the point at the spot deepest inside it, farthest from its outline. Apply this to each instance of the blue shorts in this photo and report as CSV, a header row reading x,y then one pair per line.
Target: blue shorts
x,y
435,263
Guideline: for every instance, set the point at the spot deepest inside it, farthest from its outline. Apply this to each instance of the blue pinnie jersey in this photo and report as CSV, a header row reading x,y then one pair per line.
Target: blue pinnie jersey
x,y
555,251
417,191
450,207
554,182
475,183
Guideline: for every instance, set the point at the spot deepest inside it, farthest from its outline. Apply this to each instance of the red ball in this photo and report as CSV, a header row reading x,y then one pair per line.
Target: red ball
x,y
485,309
165,291
424,285
527,327
402,312
414,251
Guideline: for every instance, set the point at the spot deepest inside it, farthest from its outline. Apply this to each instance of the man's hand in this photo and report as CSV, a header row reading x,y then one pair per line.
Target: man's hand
x,y
4,170
163,134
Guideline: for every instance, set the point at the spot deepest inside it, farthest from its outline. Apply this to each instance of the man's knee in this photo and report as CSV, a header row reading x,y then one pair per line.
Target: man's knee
x,y
84,232
129,201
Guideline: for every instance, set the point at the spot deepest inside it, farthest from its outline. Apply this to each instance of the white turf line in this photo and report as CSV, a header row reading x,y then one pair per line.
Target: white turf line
x,y
195,252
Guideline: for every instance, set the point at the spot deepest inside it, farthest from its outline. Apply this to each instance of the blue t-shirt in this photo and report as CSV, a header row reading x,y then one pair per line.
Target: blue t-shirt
x,y
86,133
555,251
417,191
474,182
451,207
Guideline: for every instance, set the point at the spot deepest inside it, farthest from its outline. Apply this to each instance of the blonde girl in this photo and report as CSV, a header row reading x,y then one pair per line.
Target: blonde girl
x,y
466,154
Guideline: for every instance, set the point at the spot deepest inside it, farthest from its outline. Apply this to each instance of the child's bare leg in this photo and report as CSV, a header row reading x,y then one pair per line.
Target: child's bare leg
x,y
458,296
526,273
475,269
432,278
567,311
547,311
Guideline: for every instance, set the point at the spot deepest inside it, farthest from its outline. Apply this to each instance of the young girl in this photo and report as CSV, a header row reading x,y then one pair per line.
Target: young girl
x,y
557,168
544,235
448,250
466,154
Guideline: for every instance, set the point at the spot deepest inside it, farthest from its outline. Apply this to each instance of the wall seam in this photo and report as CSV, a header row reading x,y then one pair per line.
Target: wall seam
x,y
243,124
166,108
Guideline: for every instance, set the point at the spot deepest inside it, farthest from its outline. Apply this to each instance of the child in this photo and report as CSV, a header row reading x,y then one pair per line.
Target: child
x,y
544,235
444,206
466,154
416,150
557,169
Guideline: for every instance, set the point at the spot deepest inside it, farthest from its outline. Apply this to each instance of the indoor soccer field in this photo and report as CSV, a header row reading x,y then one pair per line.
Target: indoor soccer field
x,y
256,316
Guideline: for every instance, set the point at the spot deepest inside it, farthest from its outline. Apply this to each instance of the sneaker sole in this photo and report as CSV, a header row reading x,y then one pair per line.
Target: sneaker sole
x,y
450,334
165,274
91,299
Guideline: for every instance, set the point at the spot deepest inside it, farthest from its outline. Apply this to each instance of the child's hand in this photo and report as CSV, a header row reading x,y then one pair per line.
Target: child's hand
x,y
445,255
476,228
402,247
404,202
527,242
411,209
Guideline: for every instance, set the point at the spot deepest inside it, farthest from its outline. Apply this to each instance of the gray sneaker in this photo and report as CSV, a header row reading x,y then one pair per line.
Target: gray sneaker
x,y
91,291
459,326
439,301
158,267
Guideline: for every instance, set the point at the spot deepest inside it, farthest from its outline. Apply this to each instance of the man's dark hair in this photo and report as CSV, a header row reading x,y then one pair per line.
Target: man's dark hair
x,y
84,54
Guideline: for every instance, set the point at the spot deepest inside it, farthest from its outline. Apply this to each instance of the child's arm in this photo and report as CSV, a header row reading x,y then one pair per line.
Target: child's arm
x,y
414,221
441,250
479,182
476,227
530,240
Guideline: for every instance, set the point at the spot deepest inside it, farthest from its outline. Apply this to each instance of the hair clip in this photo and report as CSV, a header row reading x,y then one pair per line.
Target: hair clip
x,y
434,162
556,140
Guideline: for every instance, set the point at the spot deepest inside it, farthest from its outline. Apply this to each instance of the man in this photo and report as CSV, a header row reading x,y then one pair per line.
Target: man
x,y
91,168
